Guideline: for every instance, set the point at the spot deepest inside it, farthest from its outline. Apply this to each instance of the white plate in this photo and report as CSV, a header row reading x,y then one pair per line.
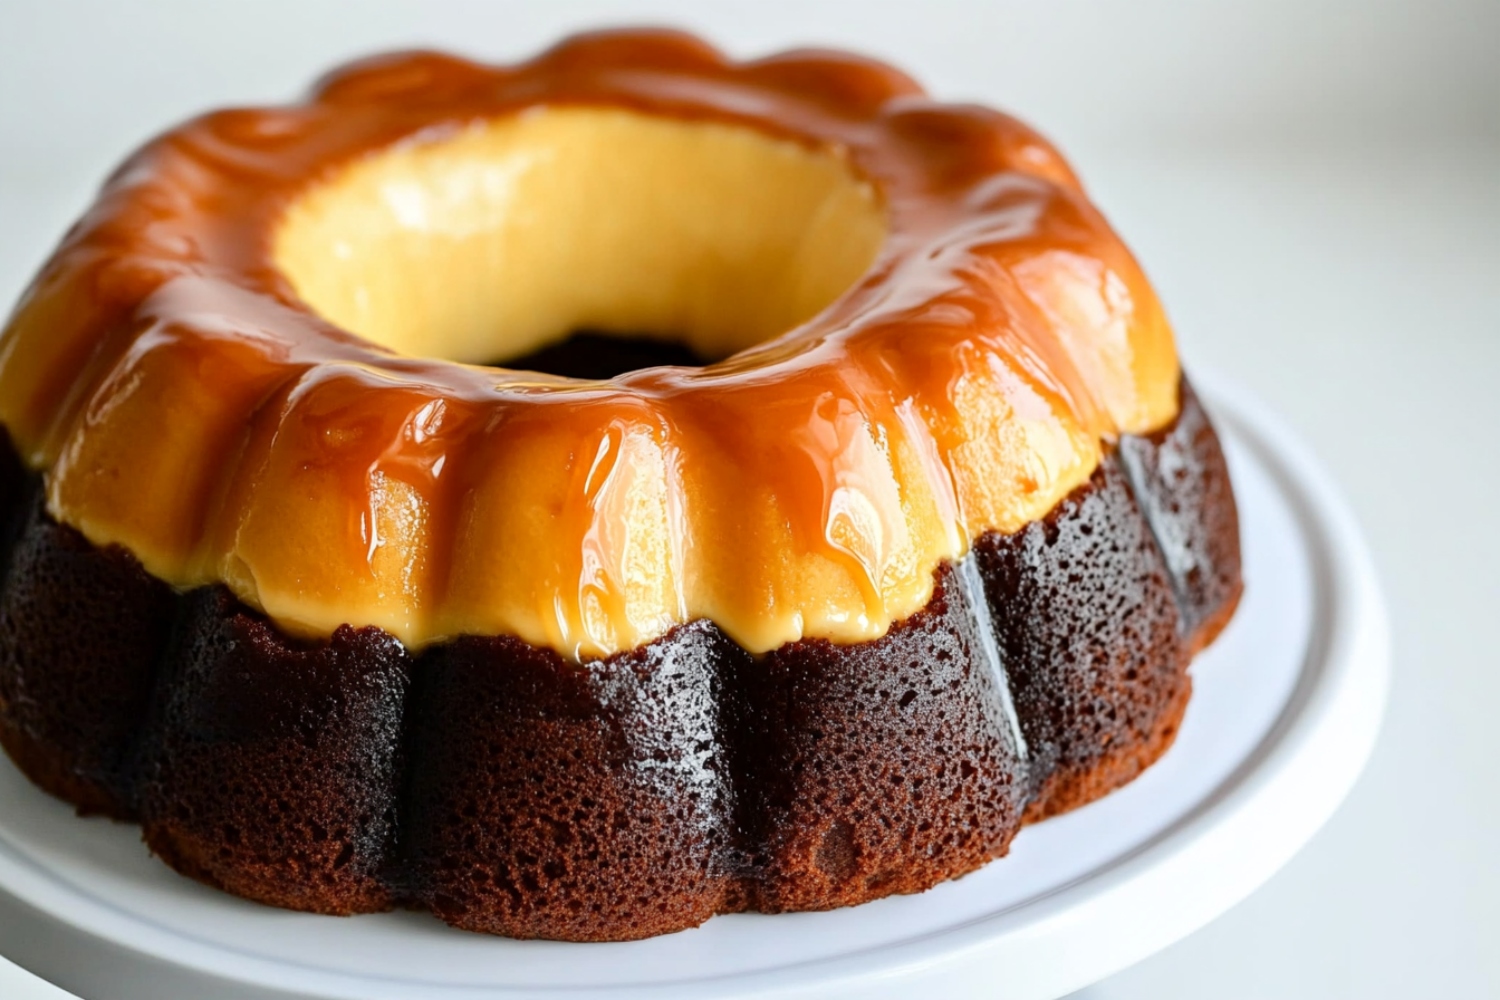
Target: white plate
x,y
1284,714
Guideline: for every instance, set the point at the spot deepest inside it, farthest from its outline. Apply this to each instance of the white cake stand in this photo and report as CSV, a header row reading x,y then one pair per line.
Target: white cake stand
x,y
1285,712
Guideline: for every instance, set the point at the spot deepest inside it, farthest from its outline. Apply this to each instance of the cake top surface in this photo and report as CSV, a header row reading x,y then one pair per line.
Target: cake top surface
x,y
272,353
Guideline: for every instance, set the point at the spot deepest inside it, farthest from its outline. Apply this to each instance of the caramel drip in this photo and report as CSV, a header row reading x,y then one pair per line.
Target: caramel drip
x,y
187,405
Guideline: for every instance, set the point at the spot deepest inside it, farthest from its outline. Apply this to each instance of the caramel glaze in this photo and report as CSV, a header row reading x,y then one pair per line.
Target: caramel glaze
x,y
186,405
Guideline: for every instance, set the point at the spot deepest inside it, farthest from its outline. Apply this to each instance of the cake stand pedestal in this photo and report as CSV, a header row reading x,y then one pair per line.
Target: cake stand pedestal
x,y
1284,714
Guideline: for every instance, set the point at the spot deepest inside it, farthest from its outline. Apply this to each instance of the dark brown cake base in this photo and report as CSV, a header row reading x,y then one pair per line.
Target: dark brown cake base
x,y
511,792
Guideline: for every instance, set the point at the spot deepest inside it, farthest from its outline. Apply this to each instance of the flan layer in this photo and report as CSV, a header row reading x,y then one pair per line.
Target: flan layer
x,y
208,376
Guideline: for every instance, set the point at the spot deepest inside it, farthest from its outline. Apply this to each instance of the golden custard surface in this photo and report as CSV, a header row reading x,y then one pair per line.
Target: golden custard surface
x,y
259,359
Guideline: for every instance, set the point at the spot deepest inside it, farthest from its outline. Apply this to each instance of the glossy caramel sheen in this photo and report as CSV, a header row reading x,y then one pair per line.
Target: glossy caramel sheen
x,y
187,402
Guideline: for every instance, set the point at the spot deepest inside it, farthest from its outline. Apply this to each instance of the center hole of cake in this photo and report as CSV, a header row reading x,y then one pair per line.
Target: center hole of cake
x,y
593,354
582,241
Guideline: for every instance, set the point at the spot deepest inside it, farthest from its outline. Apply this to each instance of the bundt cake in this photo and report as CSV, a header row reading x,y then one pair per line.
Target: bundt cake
x,y
332,561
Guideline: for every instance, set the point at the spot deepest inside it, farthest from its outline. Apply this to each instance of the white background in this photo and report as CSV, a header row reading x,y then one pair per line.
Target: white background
x,y
1313,184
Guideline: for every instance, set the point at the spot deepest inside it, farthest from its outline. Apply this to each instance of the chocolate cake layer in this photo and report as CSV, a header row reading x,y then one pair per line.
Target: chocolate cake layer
x,y
573,801
879,768
512,792
1090,633
1181,481
82,632
271,767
